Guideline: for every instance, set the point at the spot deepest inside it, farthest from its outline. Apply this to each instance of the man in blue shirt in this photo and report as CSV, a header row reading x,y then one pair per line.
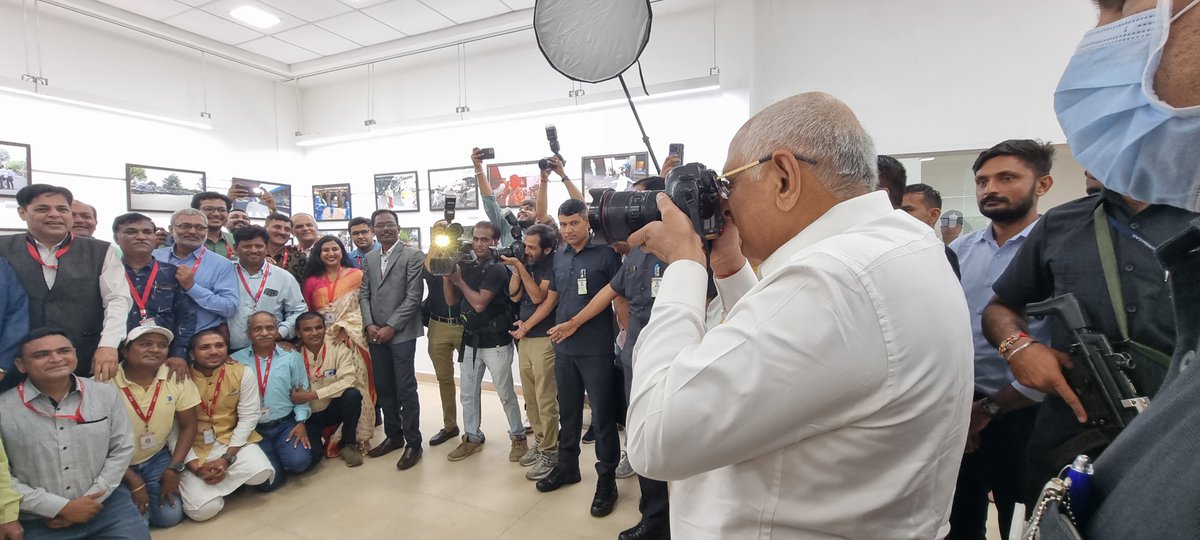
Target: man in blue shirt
x,y
262,287
363,239
278,372
14,308
158,299
209,281
1009,179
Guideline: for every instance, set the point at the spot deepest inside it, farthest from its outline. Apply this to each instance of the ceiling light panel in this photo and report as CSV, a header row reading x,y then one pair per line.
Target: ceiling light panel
x,y
213,27
254,17
461,11
223,8
360,28
309,10
408,16
317,40
279,50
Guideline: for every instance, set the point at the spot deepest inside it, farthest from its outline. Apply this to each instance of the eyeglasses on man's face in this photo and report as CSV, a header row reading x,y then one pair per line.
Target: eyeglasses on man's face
x,y
725,181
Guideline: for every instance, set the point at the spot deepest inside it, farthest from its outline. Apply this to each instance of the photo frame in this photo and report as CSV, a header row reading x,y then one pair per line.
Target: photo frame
x,y
616,171
515,182
331,202
161,189
398,192
411,236
457,181
251,204
15,167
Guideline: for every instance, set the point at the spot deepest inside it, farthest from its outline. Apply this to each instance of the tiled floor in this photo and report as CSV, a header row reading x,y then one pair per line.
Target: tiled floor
x,y
484,496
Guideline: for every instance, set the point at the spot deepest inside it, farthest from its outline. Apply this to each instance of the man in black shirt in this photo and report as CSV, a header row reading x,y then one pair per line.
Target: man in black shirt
x,y
482,288
531,282
1062,255
445,337
585,359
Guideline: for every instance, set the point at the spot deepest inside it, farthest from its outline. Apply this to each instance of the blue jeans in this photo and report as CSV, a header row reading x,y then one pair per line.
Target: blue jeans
x,y
498,360
161,513
284,457
118,519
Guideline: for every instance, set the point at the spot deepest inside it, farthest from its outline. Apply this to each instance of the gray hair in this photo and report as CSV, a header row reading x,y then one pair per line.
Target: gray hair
x,y
187,212
817,126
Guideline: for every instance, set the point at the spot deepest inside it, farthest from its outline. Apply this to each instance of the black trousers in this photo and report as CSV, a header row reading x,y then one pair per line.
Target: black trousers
x,y
998,467
655,504
595,374
345,410
396,386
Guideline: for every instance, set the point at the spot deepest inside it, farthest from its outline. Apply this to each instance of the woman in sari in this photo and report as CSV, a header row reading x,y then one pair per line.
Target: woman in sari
x,y
331,289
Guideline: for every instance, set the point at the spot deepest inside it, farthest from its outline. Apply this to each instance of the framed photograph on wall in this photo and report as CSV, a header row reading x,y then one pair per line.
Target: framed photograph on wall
x,y
160,189
456,181
331,202
411,236
397,192
253,206
513,183
616,171
15,167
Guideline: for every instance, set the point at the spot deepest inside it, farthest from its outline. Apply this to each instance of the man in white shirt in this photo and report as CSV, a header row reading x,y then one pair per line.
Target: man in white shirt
x,y
832,402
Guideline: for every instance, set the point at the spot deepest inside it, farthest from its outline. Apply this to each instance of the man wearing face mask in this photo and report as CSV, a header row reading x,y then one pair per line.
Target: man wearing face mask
x,y
1127,103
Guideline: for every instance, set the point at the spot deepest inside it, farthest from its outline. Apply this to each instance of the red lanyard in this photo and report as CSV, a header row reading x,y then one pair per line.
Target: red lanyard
x,y
319,366
141,298
199,257
212,408
62,250
285,258
261,376
229,251
77,417
138,410
331,288
261,286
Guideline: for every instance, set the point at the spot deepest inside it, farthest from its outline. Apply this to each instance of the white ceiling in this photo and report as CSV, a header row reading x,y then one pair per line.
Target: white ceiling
x,y
314,29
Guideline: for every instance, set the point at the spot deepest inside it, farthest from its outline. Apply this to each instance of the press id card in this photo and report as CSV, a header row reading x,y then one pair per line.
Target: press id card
x,y
146,441
581,283
210,437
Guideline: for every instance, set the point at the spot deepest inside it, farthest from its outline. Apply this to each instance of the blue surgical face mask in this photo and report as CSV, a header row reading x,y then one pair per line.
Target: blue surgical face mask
x,y
1118,128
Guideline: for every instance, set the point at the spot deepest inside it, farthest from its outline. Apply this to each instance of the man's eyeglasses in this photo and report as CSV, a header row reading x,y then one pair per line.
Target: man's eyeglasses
x,y
214,210
190,227
725,181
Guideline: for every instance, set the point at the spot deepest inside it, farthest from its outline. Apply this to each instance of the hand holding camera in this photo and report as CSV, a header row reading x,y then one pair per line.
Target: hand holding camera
x,y
671,239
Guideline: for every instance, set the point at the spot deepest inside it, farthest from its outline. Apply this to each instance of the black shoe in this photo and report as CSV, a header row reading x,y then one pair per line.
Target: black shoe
x,y
387,446
589,436
411,457
442,436
556,479
641,531
606,497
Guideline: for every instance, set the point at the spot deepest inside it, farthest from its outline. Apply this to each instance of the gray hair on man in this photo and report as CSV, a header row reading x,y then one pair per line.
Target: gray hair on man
x,y
187,212
821,127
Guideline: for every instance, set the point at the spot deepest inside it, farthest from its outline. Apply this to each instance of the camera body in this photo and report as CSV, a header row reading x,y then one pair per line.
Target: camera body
x,y
447,248
614,215
515,250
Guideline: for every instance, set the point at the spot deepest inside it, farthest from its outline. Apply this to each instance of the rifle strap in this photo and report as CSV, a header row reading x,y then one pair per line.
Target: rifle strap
x,y
1108,263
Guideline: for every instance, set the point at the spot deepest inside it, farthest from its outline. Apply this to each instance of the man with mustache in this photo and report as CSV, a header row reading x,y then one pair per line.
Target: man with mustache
x,y
279,253
210,281
1009,179
304,227
237,220
83,219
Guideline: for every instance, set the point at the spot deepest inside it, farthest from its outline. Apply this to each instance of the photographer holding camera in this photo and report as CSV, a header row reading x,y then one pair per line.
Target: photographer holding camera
x,y
530,282
481,287
533,211
831,402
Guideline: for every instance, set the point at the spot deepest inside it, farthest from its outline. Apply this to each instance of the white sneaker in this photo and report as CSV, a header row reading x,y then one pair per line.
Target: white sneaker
x,y
530,457
624,470
546,463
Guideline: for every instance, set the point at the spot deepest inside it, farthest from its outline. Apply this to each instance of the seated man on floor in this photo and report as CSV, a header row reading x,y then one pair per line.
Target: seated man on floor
x,y
276,372
156,403
74,492
225,455
339,394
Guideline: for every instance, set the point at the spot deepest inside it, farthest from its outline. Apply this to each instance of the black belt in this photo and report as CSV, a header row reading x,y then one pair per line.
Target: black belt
x,y
273,423
446,320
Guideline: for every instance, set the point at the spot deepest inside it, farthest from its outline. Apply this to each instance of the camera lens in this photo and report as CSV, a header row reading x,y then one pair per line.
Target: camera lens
x,y
615,215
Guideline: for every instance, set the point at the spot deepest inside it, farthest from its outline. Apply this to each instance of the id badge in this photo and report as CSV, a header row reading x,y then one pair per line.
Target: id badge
x,y
146,442
148,321
654,283
266,412
581,284
330,319
210,437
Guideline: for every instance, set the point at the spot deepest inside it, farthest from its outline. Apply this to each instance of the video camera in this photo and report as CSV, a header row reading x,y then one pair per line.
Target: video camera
x,y
447,249
615,215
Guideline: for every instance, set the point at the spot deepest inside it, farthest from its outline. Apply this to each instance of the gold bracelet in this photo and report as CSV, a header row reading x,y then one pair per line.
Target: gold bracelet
x,y
1018,349
141,487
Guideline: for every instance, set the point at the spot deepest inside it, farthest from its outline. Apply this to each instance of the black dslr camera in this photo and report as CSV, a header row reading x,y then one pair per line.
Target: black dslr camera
x,y
552,138
615,215
447,248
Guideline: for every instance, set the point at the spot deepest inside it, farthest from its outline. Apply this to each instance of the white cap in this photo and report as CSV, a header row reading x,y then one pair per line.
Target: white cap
x,y
148,329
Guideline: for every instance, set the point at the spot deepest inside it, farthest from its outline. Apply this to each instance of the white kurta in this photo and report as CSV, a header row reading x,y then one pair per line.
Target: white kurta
x,y
832,402
250,462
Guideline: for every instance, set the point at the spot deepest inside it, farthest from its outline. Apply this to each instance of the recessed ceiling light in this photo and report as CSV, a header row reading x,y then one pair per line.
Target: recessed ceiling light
x,y
928,158
254,17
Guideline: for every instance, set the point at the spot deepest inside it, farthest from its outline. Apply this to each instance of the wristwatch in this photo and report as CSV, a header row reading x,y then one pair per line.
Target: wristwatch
x,y
177,467
229,458
989,407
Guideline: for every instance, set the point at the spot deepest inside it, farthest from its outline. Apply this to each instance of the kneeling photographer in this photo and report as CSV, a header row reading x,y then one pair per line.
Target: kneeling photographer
x,y
831,394
480,287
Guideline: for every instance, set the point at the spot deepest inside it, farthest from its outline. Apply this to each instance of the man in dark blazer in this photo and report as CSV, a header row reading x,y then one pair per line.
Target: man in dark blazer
x,y
390,298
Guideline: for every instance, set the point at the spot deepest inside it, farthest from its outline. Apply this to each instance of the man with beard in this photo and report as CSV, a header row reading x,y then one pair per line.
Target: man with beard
x,y
279,253
304,227
83,219
237,220
363,239
216,209
210,281
1009,179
